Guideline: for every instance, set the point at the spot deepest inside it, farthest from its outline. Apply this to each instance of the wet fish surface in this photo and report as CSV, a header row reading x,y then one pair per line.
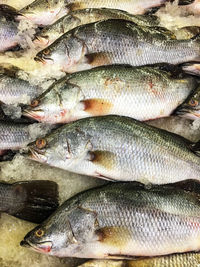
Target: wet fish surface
x,y
44,12
31,200
121,220
184,260
117,42
113,90
14,90
79,17
118,148
190,109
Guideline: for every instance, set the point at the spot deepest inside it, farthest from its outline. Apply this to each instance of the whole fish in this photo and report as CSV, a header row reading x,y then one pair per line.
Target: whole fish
x,y
116,42
79,17
44,12
121,220
119,148
31,200
190,109
14,90
177,260
113,90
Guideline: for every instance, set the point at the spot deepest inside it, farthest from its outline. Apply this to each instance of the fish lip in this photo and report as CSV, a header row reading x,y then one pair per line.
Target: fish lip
x,y
39,59
35,155
28,244
25,244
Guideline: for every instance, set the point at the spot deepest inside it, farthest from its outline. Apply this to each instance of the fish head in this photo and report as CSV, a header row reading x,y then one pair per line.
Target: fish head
x,y
57,105
43,13
190,109
65,232
65,52
65,147
48,238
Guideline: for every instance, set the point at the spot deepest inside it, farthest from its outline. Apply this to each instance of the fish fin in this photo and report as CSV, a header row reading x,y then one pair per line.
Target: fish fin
x,y
185,2
41,199
99,59
74,6
110,236
192,186
97,106
10,13
9,70
195,147
105,159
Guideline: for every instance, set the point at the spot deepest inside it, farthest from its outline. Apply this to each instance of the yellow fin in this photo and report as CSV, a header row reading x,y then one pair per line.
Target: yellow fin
x,y
115,236
97,107
105,159
99,59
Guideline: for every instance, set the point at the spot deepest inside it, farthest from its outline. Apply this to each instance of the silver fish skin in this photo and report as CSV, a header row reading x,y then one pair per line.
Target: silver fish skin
x,y
84,16
177,260
190,109
113,90
8,35
14,90
44,12
121,221
116,42
118,148
13,135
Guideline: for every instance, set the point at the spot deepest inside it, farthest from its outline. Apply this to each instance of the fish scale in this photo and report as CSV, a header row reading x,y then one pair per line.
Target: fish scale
x,y
116,42
119,148
118,90
114,227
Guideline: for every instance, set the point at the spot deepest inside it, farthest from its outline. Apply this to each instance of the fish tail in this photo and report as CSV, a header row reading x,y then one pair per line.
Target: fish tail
x,y
186,2
39,200
196,148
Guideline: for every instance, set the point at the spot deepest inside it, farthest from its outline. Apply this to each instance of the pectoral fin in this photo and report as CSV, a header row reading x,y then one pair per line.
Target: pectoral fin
x,y
97,107
103,159
99,59
114,236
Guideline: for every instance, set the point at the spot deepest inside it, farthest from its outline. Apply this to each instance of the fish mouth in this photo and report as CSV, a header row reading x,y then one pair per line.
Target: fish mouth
x,y
41,40
36,155
43,247
190,114
34,114
39,59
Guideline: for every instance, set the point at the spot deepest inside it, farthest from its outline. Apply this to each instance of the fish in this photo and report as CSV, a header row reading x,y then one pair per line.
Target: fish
x,y
113,90
8,35
184,260
116,42
33,201
84,16
192,8
121,221
191,68
190,109
187,32
14,90
43,12
118,148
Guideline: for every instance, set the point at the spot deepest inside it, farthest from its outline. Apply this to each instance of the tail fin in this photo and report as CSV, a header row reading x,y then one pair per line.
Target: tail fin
x,y
39,200
196,148
185,2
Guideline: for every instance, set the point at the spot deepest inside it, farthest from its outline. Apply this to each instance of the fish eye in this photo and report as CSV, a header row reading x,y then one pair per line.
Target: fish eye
x,y
46,52
193,103
35,103
39,233
41,143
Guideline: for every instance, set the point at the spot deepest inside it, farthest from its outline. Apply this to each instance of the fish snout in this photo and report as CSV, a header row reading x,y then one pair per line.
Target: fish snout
x,y
25,244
